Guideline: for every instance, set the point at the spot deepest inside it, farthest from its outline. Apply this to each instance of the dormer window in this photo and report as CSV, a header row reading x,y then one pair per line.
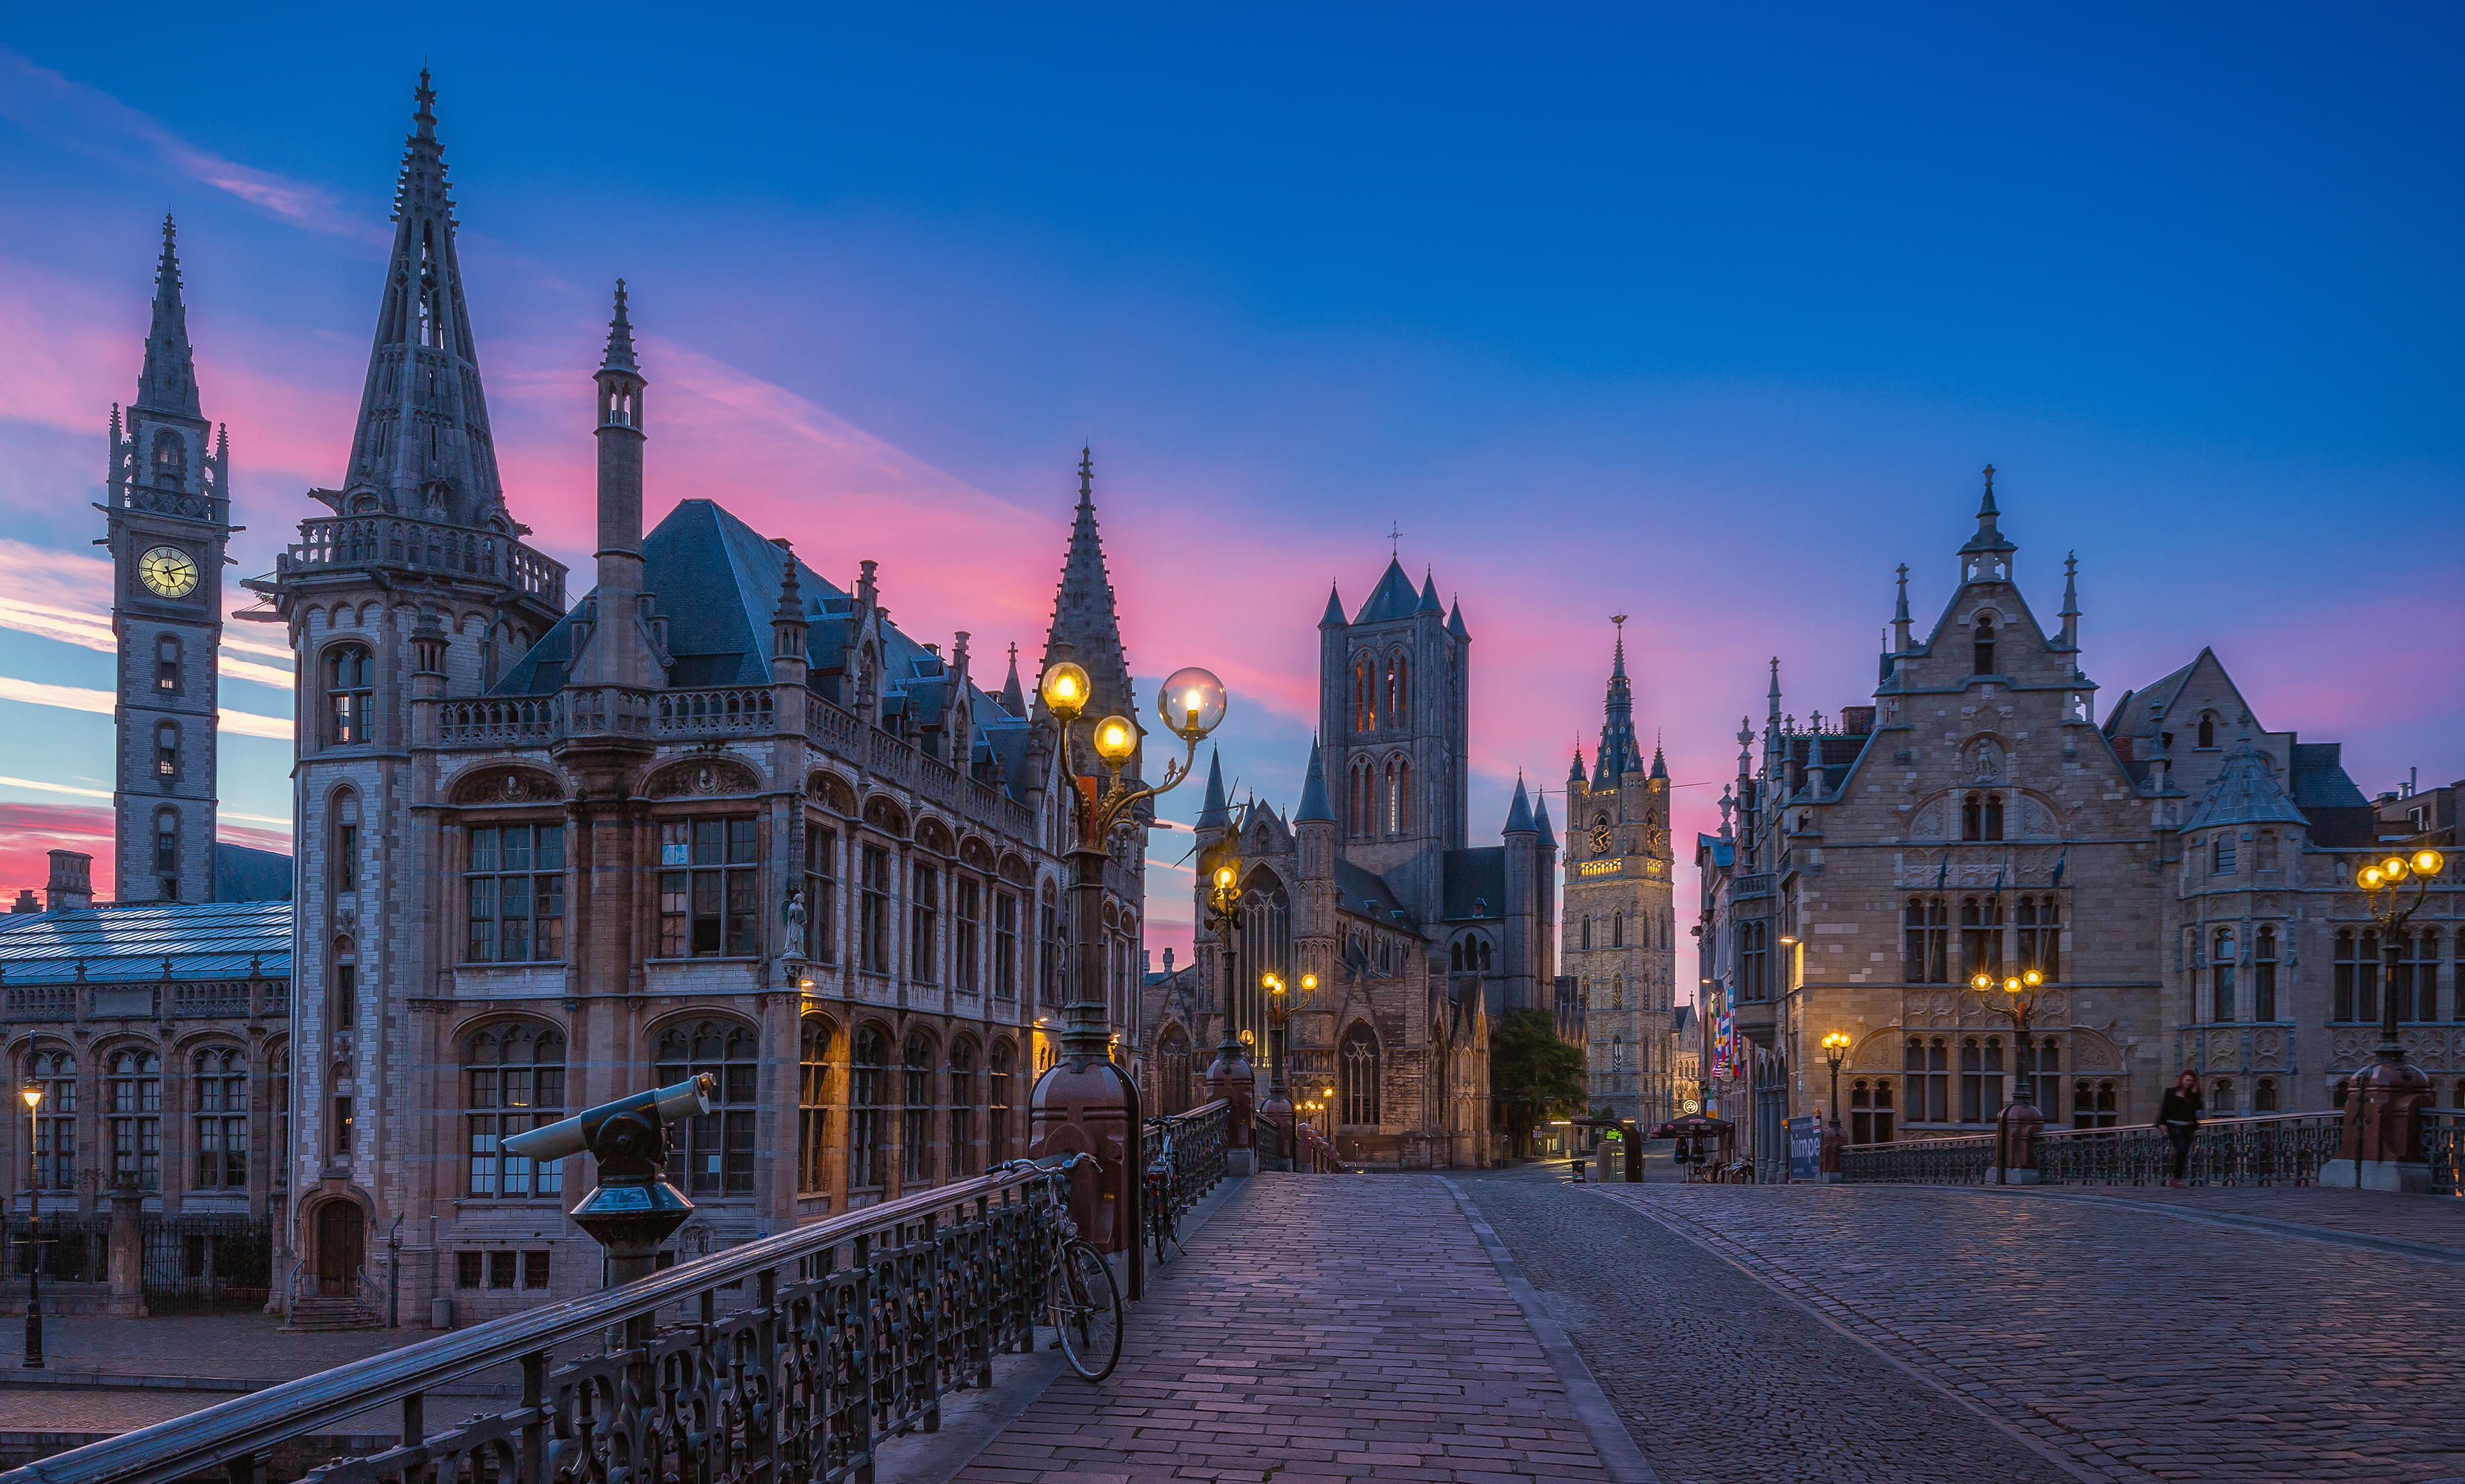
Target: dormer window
x,y
1982,644
2207,731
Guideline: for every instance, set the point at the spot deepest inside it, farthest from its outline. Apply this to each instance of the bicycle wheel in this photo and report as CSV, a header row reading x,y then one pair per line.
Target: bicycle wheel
x,y
1087,1310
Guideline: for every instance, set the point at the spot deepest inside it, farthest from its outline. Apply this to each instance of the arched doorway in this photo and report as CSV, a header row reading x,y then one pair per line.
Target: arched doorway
x,y
342,1246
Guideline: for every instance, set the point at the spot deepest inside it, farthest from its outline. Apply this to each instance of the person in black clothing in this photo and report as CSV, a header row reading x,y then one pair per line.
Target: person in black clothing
x,y
2179,1116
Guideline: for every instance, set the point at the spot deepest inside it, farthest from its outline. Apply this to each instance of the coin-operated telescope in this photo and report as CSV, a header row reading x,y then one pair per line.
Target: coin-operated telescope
x,y
633,1209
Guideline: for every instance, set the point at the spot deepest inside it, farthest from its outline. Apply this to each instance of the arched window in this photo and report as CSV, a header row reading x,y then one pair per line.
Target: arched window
x,y
1982,645
2221,975
813,1104
343,860
52,1071
1925,952
2094,1104
343,984
516,1077
133,1095
1980,1079
1869,1111
1362,804
2263,1095
712,1153
2221,853
915,1115
166,663
2416,984
1617,929
2040,933
351,678
1981,935
219,1114
1455,952
1928,1065
1398,686
963,1109
1357,1062
1617,992
1482,945
171,459
167,853
1365,702
2263,973
166,749
1173,1069
2221,1099
1993,817
998,1086
2208,730
2354,982
867,1072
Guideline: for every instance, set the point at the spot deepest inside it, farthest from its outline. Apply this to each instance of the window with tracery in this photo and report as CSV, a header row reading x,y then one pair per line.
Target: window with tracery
x,y
133,1094
712,1153
1927,1063
1357,1062
350,679
218,1114
52,1072
515,1076
812,1105
867,1074
1925,951
916,1118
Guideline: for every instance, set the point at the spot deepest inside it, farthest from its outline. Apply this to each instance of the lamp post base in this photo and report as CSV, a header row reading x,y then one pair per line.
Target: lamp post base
x,y
2398,1176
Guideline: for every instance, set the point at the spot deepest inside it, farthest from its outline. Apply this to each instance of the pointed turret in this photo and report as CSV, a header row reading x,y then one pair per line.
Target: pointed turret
x,y
1084,620
1659,763
423,448
1575,770
1429,603
1540,822
1988,541
1901,620
1014,696
1333,617
1315,808
618,650
168,383
1214,815
1619,753
1518,813
2070,638
1455,623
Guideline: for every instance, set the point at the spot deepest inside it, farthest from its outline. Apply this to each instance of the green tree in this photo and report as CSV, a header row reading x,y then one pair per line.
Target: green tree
x,y
1533,1075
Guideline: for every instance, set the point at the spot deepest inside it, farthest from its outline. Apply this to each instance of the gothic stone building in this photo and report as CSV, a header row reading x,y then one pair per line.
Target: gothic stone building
x,y
1620,928
1418,940
720,815
2183,875
157,1023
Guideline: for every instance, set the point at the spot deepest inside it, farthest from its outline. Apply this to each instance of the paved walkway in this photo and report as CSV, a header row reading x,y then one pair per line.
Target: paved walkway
x,y
2129,1343
1320,1327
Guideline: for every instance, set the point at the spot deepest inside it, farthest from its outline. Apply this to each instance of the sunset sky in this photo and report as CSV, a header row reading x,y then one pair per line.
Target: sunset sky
x,y
1709,317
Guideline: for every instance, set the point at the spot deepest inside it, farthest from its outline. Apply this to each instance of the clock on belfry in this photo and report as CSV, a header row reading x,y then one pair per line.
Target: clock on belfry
x,y
167,571
1599,839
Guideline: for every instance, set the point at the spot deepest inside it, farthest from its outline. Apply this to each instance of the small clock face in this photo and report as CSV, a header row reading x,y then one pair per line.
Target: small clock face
x,y
168,572
1599,839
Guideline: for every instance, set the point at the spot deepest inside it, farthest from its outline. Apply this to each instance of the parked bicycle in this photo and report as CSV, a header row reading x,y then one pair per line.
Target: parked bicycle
x,y
1081,1298
1164,1219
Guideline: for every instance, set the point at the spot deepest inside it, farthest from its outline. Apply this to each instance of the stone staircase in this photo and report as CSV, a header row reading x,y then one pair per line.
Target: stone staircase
x,y
310,1312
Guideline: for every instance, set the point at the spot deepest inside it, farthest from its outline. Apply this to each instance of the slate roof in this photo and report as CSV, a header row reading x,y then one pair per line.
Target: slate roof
x,y
1357,886
245,873
128,944
1474,874
1394,596
1313,803
1725,853
2244,791
2319,779
2130,716
1681,1019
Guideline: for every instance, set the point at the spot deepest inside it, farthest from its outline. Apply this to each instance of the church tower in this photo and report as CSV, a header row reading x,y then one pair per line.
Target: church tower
x,y
1619,934
1086,626
1394,685
168,522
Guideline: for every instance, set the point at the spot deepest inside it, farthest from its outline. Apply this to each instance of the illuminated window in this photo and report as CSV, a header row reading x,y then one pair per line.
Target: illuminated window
x,y
514,1074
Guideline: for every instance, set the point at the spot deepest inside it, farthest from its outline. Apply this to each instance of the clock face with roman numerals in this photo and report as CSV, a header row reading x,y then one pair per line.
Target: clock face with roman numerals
x,y
167,571
1599,839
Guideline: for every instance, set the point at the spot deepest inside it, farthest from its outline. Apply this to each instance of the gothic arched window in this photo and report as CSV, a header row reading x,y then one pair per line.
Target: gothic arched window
x,y
963,1108
1483,946
1172,1072
1982,645
2263,1095
350,676
812,1103
2207,731
1398,686
1365,700
1357,1062
1617,929
171,459
133,1097
915,1113
866,1074
713,1152
218,1104
52,1071
515,1078
998,1083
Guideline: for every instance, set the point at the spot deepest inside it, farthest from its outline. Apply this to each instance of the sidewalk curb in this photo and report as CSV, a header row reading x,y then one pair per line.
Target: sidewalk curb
x,y
2427,1251
1620,1457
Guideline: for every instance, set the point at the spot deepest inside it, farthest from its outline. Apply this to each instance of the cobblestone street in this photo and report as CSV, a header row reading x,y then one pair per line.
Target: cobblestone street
x,y
2128,1336
1321,1327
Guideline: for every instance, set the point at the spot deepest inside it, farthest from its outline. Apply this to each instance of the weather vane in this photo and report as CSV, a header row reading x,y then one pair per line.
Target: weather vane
x,y
1394,539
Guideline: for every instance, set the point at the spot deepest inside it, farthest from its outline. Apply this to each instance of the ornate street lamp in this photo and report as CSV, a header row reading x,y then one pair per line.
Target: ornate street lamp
x,y
33,1093
1085,1087
1835,1050
2382,1121
2015,998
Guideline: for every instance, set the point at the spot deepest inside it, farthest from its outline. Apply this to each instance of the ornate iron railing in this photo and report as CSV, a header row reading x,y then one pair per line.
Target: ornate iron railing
x,y
1314,1153
1197,1144
851,1330
2443,1140
1960,1161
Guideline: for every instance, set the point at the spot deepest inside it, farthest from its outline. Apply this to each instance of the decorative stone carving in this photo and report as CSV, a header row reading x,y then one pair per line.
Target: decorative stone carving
x,y
507,786
703,776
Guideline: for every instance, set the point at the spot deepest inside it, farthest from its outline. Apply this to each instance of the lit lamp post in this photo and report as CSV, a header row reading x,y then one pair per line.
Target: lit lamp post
x,y
33,1095
1279,1110
1230,1078
2383,1131
1085,1102
1835,1050
2015,999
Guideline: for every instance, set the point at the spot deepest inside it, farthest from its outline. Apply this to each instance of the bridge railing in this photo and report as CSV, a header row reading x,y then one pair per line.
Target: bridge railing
x,y
850,1330
2265,1149
1198,1139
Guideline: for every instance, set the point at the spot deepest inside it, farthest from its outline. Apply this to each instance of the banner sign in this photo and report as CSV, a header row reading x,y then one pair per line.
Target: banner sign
x,y
1805,1147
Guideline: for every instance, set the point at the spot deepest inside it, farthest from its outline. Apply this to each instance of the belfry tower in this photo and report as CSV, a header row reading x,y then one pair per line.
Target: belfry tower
x,y
168,522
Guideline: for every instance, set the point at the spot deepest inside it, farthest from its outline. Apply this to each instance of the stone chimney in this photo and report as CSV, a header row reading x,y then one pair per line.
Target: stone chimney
x,y
71,883
25,903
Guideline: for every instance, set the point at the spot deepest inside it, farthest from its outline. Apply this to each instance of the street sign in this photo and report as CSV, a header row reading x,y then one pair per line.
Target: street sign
x,y
1805,1147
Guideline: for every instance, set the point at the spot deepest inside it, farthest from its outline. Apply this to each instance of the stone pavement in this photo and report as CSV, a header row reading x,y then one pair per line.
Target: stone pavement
x,y
1321,1327
1719,1380
2132,1344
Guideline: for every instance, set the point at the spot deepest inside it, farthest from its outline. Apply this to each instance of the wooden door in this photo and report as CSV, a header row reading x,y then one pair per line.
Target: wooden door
x,y
341,1244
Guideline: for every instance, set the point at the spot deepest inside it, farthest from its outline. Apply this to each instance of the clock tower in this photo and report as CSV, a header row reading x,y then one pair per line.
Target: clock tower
x,y
167,522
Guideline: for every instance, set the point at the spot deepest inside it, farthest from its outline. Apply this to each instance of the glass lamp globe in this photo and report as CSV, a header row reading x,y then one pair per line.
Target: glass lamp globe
x,y
1065,690
1116,738
2032,979
2394,869
2370,880
1191,702
32,1095
1982,982
2428,862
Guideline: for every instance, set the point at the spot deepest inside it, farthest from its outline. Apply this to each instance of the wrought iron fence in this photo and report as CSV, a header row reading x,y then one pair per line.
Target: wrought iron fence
x,y
851,1330
191,1263
1197,1144
1961,1161
2443,1140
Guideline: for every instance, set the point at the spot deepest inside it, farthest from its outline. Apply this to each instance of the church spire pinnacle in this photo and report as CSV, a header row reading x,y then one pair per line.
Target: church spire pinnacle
x,y
2070,637
1989,540
1619,753
1014,696
169,382
620,337
423,448
1086,627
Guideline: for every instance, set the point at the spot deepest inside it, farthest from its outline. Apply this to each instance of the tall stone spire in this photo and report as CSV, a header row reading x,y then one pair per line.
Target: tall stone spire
x,y
423,448
1619,753
1213,814
1014,696
2069,640
168,383
1980,556
1900,619
1084,621
618,650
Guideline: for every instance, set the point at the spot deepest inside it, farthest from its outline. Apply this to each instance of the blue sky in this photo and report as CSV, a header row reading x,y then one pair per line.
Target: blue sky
x,y
1706,317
